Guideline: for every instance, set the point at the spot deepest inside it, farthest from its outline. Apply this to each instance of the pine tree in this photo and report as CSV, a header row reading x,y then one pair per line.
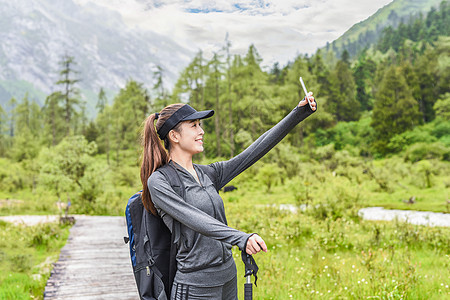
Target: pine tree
x,y
291,93
255,91
213,84
12,121
432,77
386,40
81,120
395,110
131,106
3,132
28,130
55,127
161,99
102,100
364,72
103,125
412,80
229,79
22,112
342,102
191,83
320,70
275,73
69,92
91,133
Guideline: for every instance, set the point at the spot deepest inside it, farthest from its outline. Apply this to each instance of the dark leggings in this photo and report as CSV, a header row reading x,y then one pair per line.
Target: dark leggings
x,y
228,291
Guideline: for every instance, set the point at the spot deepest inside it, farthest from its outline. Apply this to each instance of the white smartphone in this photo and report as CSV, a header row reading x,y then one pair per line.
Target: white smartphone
x,y
306,93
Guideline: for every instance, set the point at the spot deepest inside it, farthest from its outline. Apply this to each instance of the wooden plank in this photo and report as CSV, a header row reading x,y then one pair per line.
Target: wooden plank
x,y
95,262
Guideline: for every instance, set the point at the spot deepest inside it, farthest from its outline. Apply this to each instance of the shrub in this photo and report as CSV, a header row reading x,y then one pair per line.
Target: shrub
x,y
91,185
442,107
126,176
43,235
269,175
325,152
420,151
400,142
12,176
426,170
285,156
357,134
22,262
441,128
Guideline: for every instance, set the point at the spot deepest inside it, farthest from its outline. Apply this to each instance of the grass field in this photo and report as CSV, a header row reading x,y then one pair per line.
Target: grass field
x,y
26,255
311,258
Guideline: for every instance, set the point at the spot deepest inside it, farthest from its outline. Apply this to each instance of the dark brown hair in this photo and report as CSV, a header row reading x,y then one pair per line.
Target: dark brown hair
x,y
154,155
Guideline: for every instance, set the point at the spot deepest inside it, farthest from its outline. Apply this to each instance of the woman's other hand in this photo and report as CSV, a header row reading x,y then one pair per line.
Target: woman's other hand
x,y
311,98
255,244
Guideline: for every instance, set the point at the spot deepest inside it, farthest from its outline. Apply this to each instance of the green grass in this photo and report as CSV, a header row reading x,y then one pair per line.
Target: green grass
x,y
310,258
26,255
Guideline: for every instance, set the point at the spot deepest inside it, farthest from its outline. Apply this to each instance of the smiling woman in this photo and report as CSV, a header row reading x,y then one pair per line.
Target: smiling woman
x,y
205,265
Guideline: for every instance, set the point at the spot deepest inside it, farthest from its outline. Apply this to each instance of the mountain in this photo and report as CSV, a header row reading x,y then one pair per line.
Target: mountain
x,y
367,32
35,35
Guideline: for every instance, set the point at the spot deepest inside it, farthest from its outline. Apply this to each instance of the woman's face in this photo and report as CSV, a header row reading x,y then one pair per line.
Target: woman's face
x,y
190,137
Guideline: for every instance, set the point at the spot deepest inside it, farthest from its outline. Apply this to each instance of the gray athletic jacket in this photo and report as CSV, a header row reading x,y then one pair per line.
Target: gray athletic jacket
x,y
204,255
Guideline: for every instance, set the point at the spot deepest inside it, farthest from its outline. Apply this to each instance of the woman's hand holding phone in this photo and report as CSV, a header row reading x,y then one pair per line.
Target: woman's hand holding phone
x,y
308,97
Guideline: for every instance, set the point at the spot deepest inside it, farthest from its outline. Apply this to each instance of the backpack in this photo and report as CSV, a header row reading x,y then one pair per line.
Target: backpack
x,y
152,246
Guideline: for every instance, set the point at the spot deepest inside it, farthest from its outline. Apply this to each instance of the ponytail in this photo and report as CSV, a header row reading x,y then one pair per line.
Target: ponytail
x,y
153,153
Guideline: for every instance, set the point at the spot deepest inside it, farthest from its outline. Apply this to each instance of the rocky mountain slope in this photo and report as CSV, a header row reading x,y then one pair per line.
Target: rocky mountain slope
x,y
35,34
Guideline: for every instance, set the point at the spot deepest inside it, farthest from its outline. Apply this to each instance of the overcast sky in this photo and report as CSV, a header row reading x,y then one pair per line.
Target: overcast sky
x,y
280,29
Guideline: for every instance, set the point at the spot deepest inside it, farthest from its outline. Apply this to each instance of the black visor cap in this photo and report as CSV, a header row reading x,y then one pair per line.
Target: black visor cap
x,y
185,113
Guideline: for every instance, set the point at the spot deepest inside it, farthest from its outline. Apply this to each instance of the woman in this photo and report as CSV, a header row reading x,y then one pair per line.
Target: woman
x,y
205,267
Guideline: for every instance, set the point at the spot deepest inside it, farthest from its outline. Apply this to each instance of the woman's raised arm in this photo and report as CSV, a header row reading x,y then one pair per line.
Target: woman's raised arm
x,y
227,170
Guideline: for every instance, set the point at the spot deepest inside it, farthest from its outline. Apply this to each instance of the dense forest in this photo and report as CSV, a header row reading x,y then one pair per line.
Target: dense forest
x,y
391,99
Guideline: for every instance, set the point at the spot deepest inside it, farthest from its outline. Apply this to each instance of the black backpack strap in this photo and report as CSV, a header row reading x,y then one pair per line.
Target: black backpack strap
x,y
172,176
148,250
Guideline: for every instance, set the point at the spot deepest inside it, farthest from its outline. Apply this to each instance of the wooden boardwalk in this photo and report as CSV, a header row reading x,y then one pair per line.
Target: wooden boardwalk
x,y
95,262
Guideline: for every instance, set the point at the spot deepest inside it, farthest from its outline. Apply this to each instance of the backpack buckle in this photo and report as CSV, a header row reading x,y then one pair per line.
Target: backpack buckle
x,y
151,261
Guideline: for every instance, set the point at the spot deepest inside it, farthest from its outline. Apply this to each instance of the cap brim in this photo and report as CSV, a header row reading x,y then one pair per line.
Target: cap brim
x,y
204,114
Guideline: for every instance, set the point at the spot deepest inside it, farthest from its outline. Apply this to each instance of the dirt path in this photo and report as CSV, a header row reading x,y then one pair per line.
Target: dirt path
x,y
95,262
